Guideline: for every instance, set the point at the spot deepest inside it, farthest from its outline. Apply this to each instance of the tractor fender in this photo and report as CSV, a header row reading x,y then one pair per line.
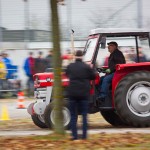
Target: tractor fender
x,y
123,69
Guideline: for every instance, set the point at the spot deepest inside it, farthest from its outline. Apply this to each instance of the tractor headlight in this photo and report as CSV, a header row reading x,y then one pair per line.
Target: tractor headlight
x,y
48,79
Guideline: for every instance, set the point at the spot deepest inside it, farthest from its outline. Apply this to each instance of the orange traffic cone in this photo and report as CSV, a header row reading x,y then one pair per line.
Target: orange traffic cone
x,y
20,102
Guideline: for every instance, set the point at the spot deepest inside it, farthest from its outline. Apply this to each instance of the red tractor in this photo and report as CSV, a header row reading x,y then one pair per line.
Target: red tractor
x,y
128,101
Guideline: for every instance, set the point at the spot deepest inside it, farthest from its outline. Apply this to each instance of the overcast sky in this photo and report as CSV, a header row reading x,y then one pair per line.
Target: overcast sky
x,y
82,13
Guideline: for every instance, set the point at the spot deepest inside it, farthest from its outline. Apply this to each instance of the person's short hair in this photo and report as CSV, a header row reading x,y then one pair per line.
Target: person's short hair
x,y
30,53
79,53
40,53
113,43
68,51
3,53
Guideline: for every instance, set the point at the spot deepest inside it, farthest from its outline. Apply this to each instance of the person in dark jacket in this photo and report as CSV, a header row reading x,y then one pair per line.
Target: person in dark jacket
x,y
40,63
116,57
49,59
79,75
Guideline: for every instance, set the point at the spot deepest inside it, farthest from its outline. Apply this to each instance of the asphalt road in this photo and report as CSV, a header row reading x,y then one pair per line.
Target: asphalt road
x,y
11,106
90,131
14,113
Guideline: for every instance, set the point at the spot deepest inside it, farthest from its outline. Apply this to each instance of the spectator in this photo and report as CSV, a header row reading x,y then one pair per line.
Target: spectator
x,y
8,64
49,59
67,58
2,68
29,70
80,75
2,74
142,57
131,54
40,63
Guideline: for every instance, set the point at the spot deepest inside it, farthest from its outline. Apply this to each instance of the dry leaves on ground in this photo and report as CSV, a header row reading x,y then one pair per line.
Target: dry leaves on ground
x,y
95,142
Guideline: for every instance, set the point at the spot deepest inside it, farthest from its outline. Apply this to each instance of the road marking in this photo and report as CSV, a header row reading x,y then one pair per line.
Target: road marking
x,y
4,113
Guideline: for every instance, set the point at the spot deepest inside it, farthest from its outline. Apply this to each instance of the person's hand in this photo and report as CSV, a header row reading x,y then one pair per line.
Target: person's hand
x,y
108,71
101,70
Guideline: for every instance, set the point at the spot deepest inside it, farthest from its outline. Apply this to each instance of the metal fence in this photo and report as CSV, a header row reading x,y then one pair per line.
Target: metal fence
x,y
10,83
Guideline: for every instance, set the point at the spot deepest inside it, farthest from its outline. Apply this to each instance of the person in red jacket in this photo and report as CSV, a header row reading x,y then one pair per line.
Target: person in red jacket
x,y
30,71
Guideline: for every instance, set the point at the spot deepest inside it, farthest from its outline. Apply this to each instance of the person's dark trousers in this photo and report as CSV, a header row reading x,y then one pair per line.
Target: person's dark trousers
x,y
104,85
30,85
82,106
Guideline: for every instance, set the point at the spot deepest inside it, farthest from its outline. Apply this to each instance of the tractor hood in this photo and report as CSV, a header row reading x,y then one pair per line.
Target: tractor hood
x,y
143,65
46,79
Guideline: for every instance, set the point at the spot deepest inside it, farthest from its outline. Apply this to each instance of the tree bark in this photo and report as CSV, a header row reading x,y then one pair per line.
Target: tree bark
x,y
57,88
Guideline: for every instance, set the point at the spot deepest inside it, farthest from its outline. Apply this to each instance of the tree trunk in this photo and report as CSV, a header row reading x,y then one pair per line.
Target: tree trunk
x,y
57,88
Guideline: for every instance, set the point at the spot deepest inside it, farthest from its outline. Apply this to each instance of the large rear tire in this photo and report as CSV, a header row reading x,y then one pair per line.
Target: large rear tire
x,y
112,117
132,99
39,121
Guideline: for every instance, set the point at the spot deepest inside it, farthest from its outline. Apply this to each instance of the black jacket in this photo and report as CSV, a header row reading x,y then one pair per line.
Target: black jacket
x,y
80,75
40,65
116,57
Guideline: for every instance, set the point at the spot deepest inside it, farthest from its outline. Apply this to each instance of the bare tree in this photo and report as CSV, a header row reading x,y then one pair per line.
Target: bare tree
x,y
57,91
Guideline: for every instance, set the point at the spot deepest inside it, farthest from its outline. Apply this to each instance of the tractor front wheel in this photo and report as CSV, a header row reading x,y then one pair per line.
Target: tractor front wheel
x,y
50,114
39,121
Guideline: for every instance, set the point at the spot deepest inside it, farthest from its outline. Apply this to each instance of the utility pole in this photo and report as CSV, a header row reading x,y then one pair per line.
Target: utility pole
x,y
26,20
139,14
69,20
1,29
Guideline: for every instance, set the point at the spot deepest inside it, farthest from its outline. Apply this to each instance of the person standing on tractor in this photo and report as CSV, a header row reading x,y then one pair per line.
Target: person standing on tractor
x,y
116,57
79,75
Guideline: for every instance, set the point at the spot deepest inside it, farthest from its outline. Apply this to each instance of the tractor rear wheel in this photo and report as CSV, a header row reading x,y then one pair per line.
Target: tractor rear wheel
x,y
112,117
132,99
